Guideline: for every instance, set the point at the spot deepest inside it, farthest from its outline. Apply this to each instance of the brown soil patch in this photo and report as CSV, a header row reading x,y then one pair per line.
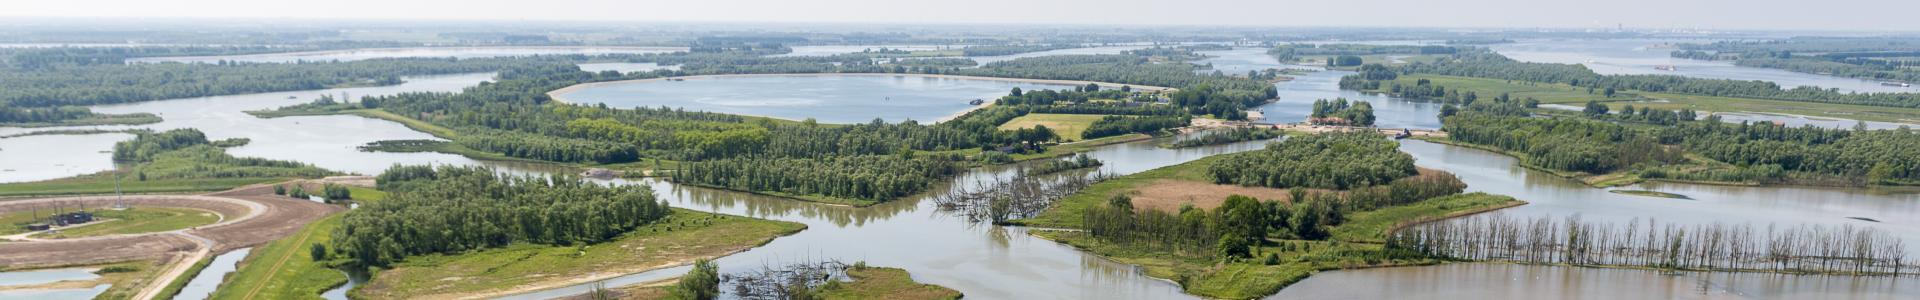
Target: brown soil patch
x,y
244,225
1169,194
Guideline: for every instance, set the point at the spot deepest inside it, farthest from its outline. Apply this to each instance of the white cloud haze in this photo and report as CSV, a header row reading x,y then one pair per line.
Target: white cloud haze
x,y
1858,15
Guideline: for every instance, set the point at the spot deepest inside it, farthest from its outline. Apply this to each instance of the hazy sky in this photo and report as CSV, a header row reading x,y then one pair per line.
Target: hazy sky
x,y
1864,15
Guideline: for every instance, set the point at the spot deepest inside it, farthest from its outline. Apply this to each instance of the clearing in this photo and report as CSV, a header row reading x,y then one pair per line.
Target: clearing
x,y
1067,126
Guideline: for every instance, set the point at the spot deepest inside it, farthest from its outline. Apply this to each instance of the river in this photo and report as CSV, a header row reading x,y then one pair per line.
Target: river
x,y
408,52
992,262
1640,56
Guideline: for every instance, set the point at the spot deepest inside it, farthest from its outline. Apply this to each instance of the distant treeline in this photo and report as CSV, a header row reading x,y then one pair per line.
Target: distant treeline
x,y
1484,64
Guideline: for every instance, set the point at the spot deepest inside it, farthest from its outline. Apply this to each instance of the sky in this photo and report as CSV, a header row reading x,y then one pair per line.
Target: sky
x,y
1844,15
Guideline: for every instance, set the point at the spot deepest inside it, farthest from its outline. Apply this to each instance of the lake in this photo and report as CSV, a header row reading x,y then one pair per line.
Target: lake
x,y
411,52
1640,56
829,98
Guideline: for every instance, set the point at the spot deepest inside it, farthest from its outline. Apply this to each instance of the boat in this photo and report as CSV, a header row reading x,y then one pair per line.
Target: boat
x,y
1897,84
293,97
976,102
1666,68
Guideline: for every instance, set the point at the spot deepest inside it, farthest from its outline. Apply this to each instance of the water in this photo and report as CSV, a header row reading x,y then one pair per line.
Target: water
x,y
830,50
33,158
827,98
983,60
340,293
987,262
625,67
34,277
998,262
1242,59
87,293
1509,281
209,278
326,141
1639,56
372,53
1800,120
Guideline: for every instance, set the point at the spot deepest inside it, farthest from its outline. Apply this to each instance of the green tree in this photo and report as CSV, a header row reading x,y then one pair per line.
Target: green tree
x,y
701,283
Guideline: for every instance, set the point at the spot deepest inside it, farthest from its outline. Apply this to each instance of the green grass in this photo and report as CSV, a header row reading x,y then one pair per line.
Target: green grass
x,y
1372,226
102,183
1069,127
1081,146
1199,273
1068,212
1620,177
883,283
679,239
138,219
285,269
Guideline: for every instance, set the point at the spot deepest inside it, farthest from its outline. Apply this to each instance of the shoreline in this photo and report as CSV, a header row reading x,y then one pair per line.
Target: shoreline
x,y
166,59
602,275
557,95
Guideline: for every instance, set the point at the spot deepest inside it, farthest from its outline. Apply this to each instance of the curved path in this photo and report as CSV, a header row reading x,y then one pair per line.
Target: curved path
x,y
250,216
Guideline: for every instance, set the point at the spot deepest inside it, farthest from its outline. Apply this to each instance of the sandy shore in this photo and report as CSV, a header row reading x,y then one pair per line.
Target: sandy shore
x,y
558,95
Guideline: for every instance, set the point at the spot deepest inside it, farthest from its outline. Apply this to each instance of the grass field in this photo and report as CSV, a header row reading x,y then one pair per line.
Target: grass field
x,y
102,183
1067,126
139,219
1372,226
1082,146
884,283
679,239
285,269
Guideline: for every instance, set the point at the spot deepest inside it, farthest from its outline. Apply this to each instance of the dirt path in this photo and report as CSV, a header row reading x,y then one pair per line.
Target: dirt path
x,y
178,268
250,216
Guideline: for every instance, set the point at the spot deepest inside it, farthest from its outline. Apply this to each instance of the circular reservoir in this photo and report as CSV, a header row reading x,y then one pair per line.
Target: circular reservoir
x,y
828,98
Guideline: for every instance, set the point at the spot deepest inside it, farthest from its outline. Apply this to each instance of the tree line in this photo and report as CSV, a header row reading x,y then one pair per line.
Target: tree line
x,y
1340,160
454,209
876,178
1761,152
1221,137
1485,64
1242,222
1341,112
122,83
187,154
1118,125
